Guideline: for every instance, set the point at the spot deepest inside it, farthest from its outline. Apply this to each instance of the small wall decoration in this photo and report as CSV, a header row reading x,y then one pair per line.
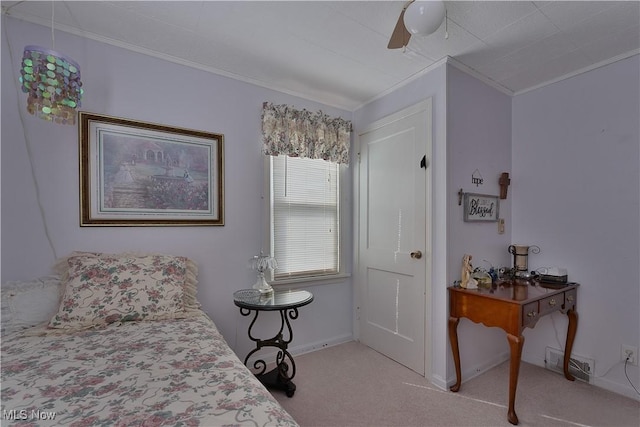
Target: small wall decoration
x,y
143,174
480,207
476,178
504,182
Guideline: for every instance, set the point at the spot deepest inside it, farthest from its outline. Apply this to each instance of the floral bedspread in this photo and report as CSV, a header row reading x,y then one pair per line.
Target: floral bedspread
x,y
150,373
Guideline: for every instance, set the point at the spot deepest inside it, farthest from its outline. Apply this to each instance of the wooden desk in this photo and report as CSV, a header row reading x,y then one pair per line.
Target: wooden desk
x,y
512,306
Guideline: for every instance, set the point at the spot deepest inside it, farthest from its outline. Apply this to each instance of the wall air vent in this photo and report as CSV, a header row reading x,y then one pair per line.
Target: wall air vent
x,y
580,367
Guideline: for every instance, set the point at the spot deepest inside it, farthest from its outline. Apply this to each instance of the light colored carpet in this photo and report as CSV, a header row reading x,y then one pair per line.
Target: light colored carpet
x,y
353,385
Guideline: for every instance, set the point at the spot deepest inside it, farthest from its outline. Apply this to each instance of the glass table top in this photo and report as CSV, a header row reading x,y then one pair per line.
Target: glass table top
x,y
252,299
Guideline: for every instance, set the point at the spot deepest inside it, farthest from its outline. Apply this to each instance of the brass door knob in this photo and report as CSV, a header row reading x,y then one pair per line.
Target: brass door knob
x,y
416,255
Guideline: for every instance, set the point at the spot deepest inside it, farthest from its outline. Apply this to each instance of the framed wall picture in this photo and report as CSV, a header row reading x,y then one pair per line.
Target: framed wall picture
x,y
480,207
143,174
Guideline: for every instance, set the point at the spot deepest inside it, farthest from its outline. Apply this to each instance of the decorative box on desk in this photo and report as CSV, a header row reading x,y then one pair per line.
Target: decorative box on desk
x,y
512,306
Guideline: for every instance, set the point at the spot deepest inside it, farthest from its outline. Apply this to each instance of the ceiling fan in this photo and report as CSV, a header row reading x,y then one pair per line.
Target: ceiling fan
x,y
417,17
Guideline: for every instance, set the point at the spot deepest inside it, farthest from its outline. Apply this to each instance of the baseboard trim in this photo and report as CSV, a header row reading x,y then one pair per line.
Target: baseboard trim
x,y
479,369
624,390
596,381
441,383
302,349
319,345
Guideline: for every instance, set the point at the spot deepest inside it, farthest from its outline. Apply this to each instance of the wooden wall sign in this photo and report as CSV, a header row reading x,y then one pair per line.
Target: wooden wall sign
x,y
480,207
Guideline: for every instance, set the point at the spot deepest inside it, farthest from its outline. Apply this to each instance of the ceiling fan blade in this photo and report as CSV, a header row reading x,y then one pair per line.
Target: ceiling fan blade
x,y
400,36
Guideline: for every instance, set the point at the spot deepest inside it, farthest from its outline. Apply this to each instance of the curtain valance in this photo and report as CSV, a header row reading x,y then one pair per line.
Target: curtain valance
x,y
301,133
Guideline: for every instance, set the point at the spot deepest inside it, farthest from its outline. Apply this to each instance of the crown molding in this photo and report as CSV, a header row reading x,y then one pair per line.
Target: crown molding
x,y
474,73
464,68
141,50
405,82
581,71
445,60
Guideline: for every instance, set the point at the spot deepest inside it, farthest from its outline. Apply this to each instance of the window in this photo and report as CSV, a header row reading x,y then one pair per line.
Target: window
x,y
304,218
304,194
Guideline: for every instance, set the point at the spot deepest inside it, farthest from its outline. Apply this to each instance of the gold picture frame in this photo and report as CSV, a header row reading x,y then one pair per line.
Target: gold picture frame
x,y
135,173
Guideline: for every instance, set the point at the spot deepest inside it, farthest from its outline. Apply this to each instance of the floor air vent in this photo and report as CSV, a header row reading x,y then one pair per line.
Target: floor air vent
x,y
580,367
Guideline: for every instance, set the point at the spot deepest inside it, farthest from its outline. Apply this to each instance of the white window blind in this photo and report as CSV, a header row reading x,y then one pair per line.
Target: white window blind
x,y
305,217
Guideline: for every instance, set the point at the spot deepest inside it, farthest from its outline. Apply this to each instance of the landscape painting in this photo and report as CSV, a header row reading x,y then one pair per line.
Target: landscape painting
x,y
135,173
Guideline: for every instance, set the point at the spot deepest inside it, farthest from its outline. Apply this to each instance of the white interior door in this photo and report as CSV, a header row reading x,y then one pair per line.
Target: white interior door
x,y
394,245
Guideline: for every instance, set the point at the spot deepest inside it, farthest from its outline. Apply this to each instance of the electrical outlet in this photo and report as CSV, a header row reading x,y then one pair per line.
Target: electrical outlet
x,y
630,352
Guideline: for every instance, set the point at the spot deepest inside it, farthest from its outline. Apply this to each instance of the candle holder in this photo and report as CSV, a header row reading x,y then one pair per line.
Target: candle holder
x,y
521,258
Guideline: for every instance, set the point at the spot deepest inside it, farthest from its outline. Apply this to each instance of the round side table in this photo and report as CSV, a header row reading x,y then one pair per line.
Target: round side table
x,y
287,303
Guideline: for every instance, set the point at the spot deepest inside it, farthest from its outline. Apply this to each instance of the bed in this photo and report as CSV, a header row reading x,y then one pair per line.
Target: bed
x,y
125,344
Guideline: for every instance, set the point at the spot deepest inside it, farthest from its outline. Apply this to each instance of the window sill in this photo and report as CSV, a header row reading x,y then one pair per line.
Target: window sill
x,y
299,282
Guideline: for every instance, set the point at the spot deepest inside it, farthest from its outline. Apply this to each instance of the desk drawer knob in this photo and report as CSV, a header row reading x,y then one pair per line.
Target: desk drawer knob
x,y
552,303
570,298
532,314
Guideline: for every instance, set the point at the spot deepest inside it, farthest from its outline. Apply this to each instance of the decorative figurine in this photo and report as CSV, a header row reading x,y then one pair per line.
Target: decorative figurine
x,y
467,281
482,278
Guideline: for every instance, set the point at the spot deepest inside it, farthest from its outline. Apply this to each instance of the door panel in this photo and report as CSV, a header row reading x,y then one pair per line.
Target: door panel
x,y
392,223
388,208
385,298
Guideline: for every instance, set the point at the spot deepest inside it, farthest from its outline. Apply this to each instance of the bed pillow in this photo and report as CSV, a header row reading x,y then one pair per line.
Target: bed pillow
x,y
100,289
29,303
61,268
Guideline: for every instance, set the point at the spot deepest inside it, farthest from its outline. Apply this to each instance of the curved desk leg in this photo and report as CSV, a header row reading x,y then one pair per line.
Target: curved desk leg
x,y
515,344
571,335
453,339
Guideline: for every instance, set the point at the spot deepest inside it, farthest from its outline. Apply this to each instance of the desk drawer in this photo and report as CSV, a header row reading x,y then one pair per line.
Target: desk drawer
x,y
530,313
550,304
570,298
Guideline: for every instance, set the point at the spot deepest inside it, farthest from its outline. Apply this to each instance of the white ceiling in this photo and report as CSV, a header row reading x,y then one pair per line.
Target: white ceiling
x,y
335,52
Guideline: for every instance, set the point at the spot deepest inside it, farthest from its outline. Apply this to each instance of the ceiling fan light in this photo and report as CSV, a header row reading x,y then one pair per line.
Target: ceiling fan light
x,y
424,17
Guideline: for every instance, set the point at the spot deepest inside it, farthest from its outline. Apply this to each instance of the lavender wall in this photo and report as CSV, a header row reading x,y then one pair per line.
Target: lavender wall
x,y
576,190
478,143
125,84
